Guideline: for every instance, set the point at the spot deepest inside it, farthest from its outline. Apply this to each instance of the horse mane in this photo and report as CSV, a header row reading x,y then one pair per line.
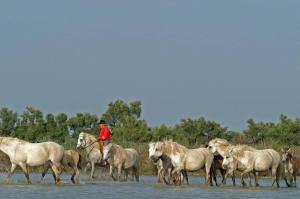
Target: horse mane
x,y
239,150
89,137
117,146
232,150
170,147
221,141
12,139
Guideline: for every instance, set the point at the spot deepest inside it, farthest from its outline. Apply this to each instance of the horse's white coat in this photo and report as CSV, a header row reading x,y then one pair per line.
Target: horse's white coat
x,y
90,144
25,154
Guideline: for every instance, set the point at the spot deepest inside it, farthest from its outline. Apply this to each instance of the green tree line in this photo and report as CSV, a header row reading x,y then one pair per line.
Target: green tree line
x,y
128,127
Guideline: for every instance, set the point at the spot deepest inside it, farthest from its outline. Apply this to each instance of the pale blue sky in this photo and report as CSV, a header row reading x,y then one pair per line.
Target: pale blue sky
x,y
227,61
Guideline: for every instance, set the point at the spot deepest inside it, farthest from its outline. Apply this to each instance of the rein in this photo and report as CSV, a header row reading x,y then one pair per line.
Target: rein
x,y
90,150
90,144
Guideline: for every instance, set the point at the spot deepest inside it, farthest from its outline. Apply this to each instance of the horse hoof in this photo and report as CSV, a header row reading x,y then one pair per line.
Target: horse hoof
x,y
257,185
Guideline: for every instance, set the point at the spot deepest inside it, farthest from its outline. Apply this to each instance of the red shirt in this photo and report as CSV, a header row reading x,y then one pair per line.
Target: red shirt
x,y
104,134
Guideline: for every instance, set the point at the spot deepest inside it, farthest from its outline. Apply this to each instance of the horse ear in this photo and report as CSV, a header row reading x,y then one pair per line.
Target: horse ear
x,y
289,150
282,150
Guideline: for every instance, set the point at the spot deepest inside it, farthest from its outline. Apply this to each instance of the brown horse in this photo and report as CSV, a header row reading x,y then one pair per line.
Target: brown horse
x,y
71,159
217,165
291,166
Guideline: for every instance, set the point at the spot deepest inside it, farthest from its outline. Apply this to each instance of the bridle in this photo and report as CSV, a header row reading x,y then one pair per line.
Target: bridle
x,y
86,146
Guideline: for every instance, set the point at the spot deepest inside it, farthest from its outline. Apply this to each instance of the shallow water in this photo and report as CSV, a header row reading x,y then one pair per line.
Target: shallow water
x,y
146,188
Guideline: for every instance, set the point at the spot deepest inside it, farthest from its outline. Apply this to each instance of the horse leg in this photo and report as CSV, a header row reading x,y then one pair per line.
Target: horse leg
x,y
242,176
12,169
185,176
73,174
56,171
291,179
174,176
159,176
223,172
164,177
249,180
233,178
45,171
255,178
136,174
77,174
93,169
243,181
225,176
133,173
278,173
88,165
111,172
212,176
275,175
126,171
169,170
119,172
286,181
207,168
25,170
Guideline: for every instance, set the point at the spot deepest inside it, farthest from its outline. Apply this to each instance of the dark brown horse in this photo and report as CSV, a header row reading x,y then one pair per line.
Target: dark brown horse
x,y
291,166
217,165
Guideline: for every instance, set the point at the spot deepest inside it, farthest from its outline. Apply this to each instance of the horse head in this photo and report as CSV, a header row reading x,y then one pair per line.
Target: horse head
x,y
155,151
81,143
228,162
215,144
285,154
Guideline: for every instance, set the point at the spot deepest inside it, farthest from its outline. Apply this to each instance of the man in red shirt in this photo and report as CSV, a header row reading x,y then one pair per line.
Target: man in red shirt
x,y
104,135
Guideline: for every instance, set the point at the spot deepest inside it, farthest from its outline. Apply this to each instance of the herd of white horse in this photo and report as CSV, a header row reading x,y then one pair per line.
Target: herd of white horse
x,y
173,161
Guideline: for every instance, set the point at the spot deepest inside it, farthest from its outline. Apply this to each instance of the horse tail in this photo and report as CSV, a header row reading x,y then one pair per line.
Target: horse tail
x,y
278,172
79,161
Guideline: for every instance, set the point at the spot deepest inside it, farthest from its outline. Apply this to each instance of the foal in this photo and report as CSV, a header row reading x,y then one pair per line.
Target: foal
x,y
164,168
217,165
291,166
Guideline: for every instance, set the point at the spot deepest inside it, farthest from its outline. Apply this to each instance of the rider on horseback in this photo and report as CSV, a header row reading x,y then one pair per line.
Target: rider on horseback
x,y
104,135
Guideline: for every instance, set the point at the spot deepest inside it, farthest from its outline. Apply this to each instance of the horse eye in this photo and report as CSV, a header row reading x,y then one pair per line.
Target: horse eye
x,y
80,140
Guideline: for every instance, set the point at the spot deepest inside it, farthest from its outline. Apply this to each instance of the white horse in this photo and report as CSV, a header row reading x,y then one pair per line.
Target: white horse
x,y
230,165
183,159
25,154
93,155
122,159
249,159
